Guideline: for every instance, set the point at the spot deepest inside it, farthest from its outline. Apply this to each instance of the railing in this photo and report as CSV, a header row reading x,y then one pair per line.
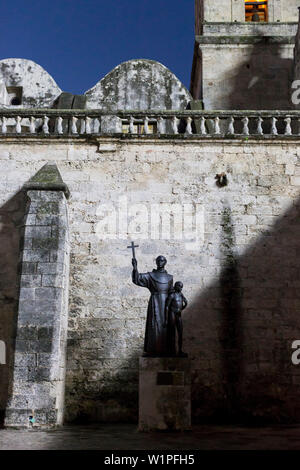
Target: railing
x,y
206,124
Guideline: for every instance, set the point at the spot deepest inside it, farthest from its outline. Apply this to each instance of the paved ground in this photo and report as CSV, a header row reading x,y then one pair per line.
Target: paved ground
x,y
126,437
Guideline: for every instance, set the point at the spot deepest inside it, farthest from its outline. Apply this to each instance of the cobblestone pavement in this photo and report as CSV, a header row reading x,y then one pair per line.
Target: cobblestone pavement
x,y
126,437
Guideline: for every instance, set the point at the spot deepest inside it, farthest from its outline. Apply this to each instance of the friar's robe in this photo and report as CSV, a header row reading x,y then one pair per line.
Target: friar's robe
x,y
160,283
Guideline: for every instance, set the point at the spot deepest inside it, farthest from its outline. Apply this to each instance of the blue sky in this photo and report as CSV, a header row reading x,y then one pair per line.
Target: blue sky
x,y
80,41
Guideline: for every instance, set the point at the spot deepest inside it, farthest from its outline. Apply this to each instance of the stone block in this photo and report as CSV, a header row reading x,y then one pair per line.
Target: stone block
x,y
164,394
38,232
52,280
27,293
31,280
39,374
36,255
50,268
29,268
295,180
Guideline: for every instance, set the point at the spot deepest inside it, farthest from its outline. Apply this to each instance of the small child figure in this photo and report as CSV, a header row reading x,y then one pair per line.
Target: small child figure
x,y
175,304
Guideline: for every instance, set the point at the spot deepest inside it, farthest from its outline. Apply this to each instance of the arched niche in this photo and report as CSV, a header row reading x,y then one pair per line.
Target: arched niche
x,y
25,83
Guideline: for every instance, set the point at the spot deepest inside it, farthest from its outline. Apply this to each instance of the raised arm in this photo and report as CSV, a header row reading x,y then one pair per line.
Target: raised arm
x,y
140,280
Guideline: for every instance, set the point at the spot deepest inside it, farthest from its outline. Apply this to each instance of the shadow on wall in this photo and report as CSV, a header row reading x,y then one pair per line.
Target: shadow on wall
x,y
88,400
102,377
11,238
240,330
263,81
114,398
238,333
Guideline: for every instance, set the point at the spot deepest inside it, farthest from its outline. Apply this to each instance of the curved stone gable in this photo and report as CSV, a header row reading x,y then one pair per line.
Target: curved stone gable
x,y
39,90
139,84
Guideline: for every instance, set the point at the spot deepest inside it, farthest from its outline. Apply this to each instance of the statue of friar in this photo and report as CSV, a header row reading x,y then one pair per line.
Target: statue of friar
x,y
160,284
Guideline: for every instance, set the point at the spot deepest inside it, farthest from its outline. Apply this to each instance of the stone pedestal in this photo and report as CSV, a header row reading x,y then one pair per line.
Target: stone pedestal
x,y
164,394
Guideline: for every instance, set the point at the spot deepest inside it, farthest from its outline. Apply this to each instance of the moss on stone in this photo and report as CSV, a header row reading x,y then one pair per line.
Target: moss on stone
x,y
48,178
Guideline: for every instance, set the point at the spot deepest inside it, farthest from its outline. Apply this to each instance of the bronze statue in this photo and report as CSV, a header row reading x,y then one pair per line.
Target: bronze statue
x,y
176,303
160,284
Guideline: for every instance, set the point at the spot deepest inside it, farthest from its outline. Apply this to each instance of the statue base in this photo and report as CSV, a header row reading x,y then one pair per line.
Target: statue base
x,y
164,394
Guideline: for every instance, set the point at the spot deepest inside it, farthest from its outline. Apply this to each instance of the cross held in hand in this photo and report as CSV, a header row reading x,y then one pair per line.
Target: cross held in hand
x,y
133,247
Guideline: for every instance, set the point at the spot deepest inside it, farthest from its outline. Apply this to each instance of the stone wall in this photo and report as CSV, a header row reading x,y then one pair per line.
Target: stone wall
x,y
244,65
296,65
225,11
246,76
287,10
242,281
138,84
234,10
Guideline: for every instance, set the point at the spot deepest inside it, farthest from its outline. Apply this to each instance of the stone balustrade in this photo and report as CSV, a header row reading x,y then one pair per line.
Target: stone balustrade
x,y
206,124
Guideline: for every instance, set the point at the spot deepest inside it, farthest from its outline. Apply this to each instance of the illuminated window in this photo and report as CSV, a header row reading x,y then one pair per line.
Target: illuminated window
x,y
139,128
256,10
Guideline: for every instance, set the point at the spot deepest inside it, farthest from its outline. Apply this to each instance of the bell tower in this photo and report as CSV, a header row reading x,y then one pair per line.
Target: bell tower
x,y
243,57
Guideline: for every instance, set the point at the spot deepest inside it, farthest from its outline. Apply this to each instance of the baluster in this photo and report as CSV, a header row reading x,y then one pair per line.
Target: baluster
x,y
231,126
146,125
274,130
88,125
202,126
175,122
32,125
260,130
217,125
131,125
18,125
288,127
96,126
82,126
245,121
119,125
298,126
189,130
59,125
4,127
45,125
74,125
160,125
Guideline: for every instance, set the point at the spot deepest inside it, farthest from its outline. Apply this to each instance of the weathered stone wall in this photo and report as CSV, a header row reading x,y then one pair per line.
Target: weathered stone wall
x,y
287,10
296,65
246,76
242,283
11,221
225,11
244,65
243,30
138,84
234,10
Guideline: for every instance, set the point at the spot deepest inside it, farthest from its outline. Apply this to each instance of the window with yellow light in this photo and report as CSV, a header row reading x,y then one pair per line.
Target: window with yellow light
x,y
256,11
139,127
